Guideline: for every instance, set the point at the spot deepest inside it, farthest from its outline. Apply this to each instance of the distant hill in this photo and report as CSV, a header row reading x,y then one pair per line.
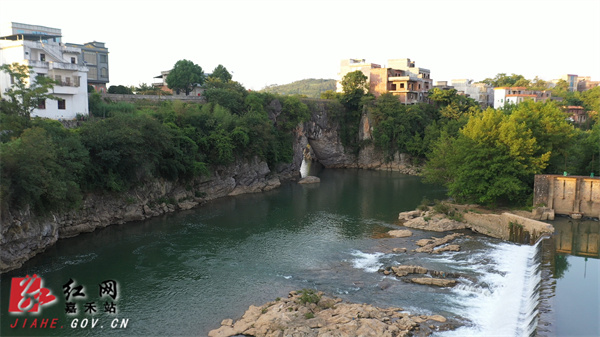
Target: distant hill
x,y
310,87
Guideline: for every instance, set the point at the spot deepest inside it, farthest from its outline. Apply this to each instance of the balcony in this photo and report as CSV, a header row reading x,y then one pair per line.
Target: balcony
x,y
66,66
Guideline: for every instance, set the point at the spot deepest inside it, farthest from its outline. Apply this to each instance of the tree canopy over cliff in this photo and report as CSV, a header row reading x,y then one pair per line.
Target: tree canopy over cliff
x,y
47,167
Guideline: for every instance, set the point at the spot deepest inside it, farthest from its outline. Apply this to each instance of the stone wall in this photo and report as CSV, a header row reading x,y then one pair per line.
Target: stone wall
x,y
155,98
23,234
498,225
569,195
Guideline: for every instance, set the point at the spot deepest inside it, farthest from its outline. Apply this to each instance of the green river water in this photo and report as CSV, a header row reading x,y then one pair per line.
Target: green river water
x,y
181,274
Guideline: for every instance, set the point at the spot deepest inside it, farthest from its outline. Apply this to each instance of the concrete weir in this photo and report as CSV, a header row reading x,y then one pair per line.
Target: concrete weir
x,y
576,196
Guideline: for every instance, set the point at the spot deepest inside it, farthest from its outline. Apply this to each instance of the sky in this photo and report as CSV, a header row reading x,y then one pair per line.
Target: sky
x,y
278,42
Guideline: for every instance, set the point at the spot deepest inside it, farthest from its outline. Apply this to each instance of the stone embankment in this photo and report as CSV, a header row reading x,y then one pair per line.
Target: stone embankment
x,y
311,314
23,235
505,226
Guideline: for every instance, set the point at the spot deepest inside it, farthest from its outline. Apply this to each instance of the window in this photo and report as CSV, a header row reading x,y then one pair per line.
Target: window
x,y
41,104
93,73
103,58
77,80
393,87
62,105
73,60
68,81
58,79
89,58
104,72
401,85
42,57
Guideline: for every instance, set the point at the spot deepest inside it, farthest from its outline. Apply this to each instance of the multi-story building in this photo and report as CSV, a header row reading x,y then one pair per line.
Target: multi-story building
x,y
516,95
401,78
41,48
95,58
481,92
577,114
442,85
585,83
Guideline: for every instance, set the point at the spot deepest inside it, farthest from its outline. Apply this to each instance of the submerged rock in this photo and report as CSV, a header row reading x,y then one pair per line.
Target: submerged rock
x,y
400,233
439,282
309,180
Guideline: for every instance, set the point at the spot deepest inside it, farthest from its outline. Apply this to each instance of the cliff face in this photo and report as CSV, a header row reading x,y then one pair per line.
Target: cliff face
x,y
24,235
321,133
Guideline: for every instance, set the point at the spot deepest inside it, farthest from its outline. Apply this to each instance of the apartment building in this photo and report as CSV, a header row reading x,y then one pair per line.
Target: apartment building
x,y
516,95
481,92
95,58
41,48
400,77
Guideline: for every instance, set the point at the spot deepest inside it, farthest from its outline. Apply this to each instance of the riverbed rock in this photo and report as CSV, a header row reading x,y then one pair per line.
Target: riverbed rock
x,y
427,246
438,282
309,180
400,233
406,270
329,316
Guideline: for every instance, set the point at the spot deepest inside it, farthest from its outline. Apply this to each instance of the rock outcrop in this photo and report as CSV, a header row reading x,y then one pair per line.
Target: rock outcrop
x,y
501,226
430,245
321,132
327,316
23,234
309,180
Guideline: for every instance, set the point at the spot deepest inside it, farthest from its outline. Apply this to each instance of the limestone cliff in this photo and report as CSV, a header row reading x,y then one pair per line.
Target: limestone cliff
x,y
23,234
321,133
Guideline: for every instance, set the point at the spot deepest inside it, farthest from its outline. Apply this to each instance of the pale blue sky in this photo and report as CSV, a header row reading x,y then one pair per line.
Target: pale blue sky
x,y
278,42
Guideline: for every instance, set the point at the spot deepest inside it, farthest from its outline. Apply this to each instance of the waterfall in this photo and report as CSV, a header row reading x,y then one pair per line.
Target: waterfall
x,y
304,168
512,275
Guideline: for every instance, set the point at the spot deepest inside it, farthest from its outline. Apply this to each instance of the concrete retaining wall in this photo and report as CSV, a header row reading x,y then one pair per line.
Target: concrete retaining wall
x,y
569,195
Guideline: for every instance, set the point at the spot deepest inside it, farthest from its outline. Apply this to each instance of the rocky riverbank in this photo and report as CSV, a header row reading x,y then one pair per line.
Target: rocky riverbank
x,y
310,314
443,217
24,234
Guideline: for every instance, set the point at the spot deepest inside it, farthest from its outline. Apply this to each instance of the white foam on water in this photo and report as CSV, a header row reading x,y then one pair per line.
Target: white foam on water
x,y
367,262
508,307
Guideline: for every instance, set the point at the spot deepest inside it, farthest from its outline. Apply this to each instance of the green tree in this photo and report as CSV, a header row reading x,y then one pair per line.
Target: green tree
x,y
221,73
185,76
25,92
495,155
231,94
120,89
41,169
503,80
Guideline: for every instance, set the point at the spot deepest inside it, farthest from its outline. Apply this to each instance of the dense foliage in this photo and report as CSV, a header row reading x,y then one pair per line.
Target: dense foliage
x,y
47,167
185,76
486,157
309,87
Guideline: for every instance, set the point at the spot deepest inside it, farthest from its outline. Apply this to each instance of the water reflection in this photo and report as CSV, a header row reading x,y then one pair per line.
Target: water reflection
x,y
571,272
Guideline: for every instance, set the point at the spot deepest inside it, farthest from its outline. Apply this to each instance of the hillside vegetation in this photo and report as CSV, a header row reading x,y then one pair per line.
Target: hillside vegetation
x,y
310,87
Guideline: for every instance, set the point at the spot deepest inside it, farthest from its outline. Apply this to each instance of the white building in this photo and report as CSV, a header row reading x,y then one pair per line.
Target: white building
x,y
516,95
481,92
42,50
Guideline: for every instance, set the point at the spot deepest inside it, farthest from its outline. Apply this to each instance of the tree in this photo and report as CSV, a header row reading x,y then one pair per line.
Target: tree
x,y
495,155
221,73
185,76
503,80
25,93
120,89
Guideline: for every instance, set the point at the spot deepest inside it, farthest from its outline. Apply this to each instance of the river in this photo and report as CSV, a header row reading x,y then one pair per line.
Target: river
x,y
181,274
